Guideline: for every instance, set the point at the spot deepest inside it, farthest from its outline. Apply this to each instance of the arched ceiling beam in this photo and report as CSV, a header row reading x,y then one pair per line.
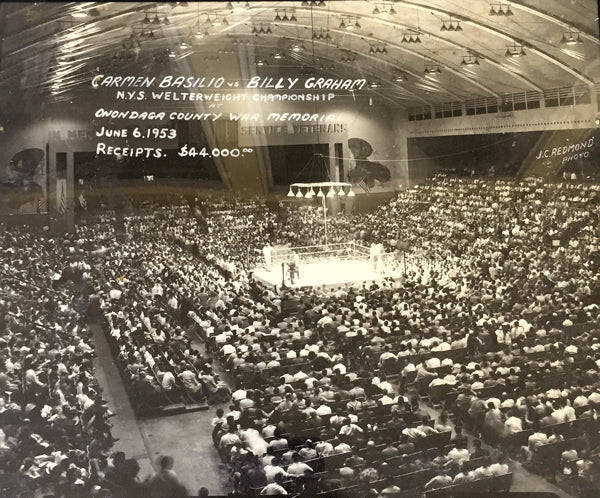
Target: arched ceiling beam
x,y
544,15
395,88
452,43
416,54
563,65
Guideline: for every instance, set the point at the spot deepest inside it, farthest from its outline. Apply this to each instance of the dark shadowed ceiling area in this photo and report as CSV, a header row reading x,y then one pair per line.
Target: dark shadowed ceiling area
x,y
411,52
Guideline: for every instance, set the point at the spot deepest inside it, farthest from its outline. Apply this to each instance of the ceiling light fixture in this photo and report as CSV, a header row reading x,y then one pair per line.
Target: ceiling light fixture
x,y
348,56
349,23
198,34
378,49
469,60
500,9
411,36
448,25
432,69
571,37
515,50
306,71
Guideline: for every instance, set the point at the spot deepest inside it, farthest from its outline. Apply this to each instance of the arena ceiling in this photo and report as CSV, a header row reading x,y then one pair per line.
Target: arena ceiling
x,y
410,51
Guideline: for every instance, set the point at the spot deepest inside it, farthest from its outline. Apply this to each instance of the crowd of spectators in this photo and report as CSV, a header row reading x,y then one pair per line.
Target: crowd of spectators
x,y
515,266
55,426
149,291
496,320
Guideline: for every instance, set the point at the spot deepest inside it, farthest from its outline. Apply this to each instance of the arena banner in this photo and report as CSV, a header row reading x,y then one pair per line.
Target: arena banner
x,y
290,134
61,195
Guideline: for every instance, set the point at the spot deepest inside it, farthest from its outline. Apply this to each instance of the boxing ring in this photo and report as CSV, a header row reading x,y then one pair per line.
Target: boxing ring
x,y
330,265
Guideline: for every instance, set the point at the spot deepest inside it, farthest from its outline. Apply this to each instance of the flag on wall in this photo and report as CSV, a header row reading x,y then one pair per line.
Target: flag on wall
x,y
42,204
61,192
